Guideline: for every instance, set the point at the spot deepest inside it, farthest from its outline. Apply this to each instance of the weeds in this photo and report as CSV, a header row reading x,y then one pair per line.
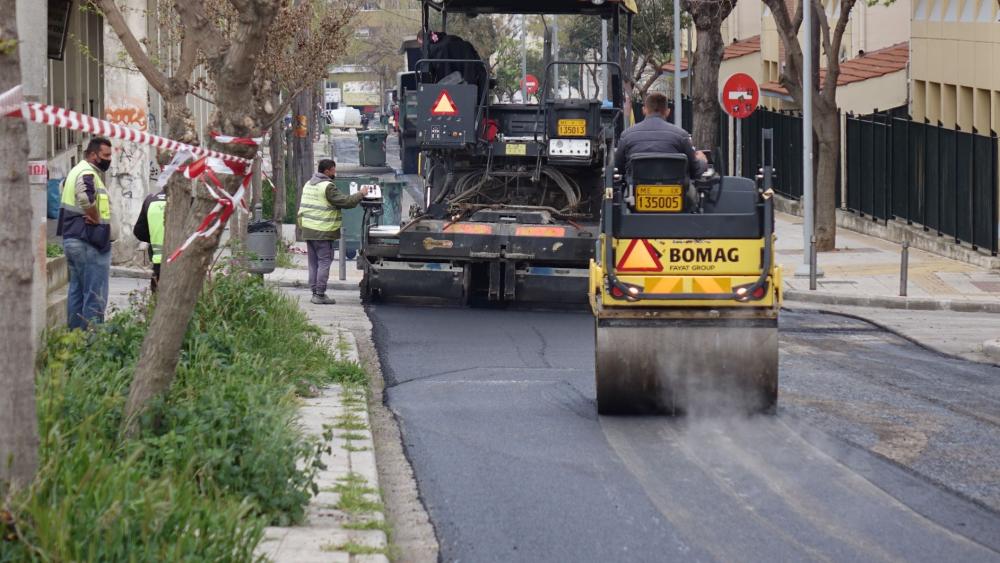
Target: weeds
x,y
354,548
223,460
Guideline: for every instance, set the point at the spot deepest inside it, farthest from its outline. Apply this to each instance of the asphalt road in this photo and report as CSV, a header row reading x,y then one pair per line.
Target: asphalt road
x,y
880,451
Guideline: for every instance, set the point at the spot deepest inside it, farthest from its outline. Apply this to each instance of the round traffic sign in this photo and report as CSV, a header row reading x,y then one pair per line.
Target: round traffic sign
x,y
531,83
740,95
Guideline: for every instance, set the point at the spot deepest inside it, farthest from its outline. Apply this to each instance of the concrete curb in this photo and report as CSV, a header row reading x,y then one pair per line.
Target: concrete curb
x,y
350,457
991,348
892,302
126,272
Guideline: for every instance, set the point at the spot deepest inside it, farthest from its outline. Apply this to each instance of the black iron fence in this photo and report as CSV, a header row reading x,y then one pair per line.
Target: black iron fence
x,y
787,129
940,178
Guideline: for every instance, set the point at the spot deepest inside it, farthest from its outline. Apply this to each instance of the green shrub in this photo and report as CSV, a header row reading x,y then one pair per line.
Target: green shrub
x,y
220,456
53,250
267,200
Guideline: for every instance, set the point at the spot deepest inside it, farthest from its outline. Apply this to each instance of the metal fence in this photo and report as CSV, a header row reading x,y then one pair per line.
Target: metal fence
x,y
787,129
943,179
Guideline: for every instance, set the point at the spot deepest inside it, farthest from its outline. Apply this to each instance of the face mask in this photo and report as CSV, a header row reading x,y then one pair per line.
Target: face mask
x,y
103,164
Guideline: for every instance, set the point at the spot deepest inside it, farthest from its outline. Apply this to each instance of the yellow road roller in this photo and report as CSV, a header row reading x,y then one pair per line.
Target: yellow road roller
x,y
685,292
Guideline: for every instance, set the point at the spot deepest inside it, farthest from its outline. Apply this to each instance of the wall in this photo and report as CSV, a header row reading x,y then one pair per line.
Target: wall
x,y
875,94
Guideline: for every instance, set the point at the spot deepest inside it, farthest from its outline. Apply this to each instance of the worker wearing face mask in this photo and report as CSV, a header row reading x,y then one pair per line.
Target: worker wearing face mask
x,y
85,227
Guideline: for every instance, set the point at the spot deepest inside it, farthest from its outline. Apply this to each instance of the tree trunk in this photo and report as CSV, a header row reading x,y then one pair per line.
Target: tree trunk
x,y
826,124
18,423
278,170
302,143
705,73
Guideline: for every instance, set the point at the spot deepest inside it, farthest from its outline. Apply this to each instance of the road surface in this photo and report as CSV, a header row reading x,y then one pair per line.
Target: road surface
x,y
880,451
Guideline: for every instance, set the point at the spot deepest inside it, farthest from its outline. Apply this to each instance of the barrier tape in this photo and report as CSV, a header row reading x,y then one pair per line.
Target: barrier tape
x,y
208,165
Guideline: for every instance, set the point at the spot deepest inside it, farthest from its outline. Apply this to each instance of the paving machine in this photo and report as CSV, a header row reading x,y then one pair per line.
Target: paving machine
x,y
513,190
685,292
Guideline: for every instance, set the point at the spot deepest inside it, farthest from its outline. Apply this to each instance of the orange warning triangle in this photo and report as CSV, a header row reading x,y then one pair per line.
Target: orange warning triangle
x,y
444,105
640,258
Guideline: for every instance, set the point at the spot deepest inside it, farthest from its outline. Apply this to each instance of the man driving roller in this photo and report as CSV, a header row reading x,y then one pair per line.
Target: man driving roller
x,y
655,134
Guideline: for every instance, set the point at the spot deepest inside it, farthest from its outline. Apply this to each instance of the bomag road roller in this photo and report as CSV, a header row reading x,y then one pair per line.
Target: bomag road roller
x,y
685,292
513,191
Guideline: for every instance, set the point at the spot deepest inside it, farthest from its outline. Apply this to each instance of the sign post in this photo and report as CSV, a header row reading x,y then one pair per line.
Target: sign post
x,y
739,98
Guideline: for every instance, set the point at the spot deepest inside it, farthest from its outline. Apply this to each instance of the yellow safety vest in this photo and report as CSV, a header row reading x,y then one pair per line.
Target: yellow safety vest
x,y
315,212
156,219
70,208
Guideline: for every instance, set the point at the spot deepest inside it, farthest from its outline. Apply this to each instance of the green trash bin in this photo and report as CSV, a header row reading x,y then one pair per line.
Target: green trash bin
x,y
392,202
371,145
350,229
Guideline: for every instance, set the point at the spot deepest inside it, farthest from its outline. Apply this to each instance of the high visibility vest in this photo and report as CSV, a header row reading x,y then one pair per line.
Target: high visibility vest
x,y
156,219
70,208
315,212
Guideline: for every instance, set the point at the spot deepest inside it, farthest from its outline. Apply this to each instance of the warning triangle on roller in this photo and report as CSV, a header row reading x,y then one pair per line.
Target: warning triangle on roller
x,y
640,258
444,105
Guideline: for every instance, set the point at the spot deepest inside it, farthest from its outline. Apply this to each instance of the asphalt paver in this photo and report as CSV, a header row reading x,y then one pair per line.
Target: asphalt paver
x,y
880,450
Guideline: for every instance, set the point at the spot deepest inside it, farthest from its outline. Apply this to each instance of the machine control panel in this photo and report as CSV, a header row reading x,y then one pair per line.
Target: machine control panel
x,y
446,115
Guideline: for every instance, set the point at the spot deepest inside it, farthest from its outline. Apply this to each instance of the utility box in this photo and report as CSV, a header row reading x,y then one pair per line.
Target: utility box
x,y
262,247
372,147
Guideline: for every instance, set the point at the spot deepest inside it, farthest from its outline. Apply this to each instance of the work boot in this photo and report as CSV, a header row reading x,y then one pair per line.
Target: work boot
x,y
322,300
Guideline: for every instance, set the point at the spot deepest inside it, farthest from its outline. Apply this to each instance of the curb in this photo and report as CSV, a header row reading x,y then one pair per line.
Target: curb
x,y
126,272
350,457
296,284
892,302
991,348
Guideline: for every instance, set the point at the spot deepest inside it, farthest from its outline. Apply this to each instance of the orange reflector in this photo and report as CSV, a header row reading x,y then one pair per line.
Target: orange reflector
x,y
469,228
540,231
640,258
444,105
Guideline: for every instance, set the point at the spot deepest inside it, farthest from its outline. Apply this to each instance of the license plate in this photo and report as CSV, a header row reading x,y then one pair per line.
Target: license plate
x,y
659,198
516,149
572,128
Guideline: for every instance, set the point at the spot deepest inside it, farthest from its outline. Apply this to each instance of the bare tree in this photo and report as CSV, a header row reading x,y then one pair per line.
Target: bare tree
x,y
826,121
707,16
18,425
277,146
250,50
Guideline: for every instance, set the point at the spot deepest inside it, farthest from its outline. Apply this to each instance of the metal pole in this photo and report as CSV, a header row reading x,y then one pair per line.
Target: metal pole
x,y
555,55
904,267
603,86
678,118
808,229
738,124
257,185
524,61
812,264
342,250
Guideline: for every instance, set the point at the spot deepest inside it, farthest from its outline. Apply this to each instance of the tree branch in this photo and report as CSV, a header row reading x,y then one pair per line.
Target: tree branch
x,y
113,16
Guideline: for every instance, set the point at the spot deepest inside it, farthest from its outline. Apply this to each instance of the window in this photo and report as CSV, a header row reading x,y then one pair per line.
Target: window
x,y
985,12
936,10
952,14
369,6
969,11
920,13
363,32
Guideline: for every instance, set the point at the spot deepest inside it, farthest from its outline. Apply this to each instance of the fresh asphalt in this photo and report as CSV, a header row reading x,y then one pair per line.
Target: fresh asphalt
x,y
880,451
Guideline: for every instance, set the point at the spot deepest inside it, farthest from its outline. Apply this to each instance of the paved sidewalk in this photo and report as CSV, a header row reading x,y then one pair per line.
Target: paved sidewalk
x,y
864,271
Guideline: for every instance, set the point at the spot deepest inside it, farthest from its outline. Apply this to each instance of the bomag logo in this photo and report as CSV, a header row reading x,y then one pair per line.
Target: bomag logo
x,y
705,255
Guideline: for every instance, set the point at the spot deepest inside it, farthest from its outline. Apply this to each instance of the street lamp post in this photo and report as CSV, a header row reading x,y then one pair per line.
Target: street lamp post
x,y
678,118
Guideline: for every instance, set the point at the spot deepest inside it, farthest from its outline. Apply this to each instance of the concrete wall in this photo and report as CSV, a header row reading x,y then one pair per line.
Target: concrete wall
x,y
126,102
743,22
875,94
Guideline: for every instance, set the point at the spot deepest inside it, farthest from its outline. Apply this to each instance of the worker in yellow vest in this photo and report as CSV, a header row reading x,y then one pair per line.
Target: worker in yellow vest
x,y
151,228
87,232
319,220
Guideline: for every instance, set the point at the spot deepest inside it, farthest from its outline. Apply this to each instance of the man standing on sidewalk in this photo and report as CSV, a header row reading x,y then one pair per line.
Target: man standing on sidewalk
x,y
151,227
86,229
319,218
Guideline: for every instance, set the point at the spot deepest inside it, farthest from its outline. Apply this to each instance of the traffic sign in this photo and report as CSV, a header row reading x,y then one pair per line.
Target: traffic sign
x,y
740,95
531,82
640,258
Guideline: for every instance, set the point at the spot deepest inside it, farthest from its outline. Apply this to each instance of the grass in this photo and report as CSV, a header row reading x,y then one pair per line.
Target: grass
x,y
354,548
52,250
283,258
220,457
354,490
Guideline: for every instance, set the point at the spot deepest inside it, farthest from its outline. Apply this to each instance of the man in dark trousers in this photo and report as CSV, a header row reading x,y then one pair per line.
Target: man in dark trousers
x,y
319,219
151,228
655,134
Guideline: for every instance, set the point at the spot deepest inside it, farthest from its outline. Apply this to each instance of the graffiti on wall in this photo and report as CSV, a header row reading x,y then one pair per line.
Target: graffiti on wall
x,y
128,116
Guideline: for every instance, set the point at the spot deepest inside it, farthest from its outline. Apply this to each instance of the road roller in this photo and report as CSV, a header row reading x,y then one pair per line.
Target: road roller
x,y
685,292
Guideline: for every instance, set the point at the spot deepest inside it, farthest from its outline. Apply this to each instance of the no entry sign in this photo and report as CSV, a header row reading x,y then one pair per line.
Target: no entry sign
x,y
740,95
530,82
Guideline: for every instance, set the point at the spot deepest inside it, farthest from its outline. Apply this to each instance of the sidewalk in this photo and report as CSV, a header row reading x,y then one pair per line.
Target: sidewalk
x,y
864,271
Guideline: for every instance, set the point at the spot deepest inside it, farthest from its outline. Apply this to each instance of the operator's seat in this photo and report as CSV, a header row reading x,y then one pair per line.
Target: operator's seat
x,y
445,46
659,170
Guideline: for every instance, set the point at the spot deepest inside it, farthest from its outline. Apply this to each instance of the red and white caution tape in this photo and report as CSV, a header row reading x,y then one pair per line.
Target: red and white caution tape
x,y
204,170
69,119
229,140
